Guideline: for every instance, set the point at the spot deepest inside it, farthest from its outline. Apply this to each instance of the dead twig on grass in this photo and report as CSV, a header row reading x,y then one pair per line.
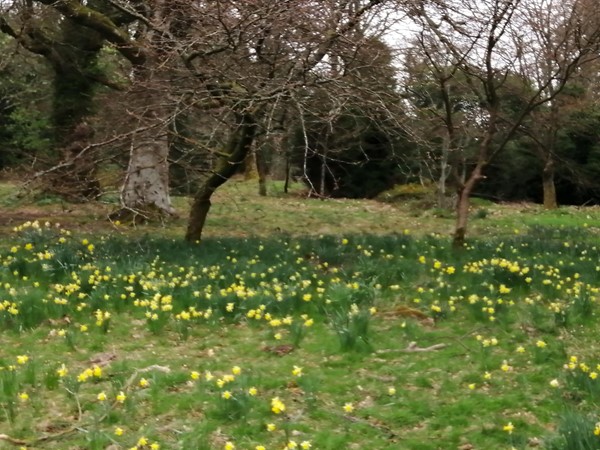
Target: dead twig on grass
x,y
412,347
10,440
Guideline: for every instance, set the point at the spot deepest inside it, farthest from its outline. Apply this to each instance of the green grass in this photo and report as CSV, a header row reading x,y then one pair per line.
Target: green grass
x,y
504,331
239,211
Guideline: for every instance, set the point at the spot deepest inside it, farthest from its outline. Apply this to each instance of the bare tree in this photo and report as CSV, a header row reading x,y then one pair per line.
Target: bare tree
x,y
234,61
287,52
549,55
480,37
348,131
442,107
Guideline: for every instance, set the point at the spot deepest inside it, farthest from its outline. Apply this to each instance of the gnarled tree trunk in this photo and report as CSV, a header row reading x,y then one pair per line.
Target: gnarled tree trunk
x,y
76,178
145,190
74,59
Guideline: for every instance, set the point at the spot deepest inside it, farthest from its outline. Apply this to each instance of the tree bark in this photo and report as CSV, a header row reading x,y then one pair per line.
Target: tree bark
x,y
145,189
466,189
263,172
76,180
250,167
73,56
463,203
237,150
548,185
255,168
444,172
322,189
183,156
288,170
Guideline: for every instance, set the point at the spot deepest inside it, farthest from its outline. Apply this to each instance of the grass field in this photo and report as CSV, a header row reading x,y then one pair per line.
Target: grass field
x,y
238,211
302,324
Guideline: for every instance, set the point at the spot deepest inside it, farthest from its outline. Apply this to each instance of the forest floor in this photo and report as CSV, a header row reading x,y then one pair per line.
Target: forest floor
x,y
238,211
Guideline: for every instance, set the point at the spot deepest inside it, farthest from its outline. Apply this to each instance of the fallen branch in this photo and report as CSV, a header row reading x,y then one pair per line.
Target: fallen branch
x,y
4,437
413,348
48,437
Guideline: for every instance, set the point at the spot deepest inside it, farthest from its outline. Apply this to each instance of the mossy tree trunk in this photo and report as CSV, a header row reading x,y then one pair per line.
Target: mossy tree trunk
x,y
228,164
250,170
72,51
255,168
145,190
548,184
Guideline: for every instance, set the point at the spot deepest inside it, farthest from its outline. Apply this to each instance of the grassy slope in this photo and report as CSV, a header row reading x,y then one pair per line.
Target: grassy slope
x,y
239,211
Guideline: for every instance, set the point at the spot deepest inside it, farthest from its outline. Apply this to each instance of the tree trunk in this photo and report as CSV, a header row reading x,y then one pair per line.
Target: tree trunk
x,y
76,180
550,201
444,173
145,190
182,155
237,150
463,203
263,171
323,174
199,212
288,170
250,167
